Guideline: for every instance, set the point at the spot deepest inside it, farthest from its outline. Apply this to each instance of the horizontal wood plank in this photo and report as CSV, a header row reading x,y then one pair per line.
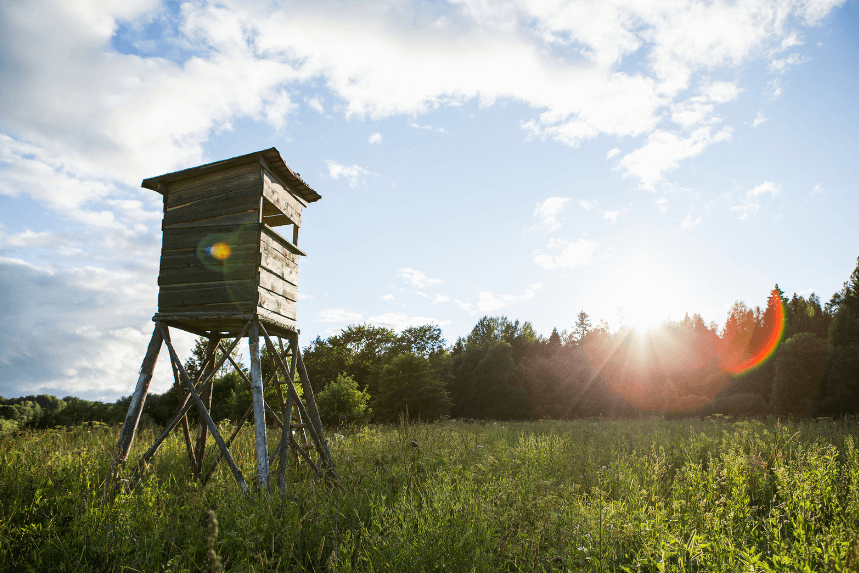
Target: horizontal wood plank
x,y
206,293
202,274
179,238
280,267
275,303
278,243
237,219
218,175
213,189
225,308
187,258
282,322
277,285
282,198
246,199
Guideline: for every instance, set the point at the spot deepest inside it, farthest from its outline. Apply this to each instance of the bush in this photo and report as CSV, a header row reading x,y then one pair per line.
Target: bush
x,y
799,371
489,384
738,405
342,402
409,381
841,392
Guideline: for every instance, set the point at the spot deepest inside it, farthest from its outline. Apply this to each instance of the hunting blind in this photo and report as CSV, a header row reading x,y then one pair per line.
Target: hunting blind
x,y
229,269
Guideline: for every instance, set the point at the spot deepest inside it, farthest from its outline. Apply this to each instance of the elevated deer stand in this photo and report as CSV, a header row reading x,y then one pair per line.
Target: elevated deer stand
x,y
226,272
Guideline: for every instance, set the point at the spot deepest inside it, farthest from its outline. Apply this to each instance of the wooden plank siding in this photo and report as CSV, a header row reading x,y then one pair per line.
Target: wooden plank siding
x,y
260,275
282,198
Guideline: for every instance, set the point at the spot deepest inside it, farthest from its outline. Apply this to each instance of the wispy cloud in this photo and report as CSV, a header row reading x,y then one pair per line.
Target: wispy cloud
x,y
759,118
566,254
547,213
401,320
428,127
417,278
689,222
435,298
374,138
354,174
315,103
663,151
339,315
751,202
612,152
487,301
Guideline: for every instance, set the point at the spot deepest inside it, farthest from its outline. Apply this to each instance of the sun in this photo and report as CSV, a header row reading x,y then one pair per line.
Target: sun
x,y
653,293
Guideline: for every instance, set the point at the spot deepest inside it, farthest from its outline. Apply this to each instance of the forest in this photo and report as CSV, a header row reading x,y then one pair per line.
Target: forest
x,y
795,357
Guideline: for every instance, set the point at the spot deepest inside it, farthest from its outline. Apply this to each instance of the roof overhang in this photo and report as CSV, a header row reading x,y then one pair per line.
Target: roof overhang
x,y
269,158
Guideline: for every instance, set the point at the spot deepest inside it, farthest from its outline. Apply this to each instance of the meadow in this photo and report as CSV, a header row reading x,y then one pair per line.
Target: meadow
x,y
586,495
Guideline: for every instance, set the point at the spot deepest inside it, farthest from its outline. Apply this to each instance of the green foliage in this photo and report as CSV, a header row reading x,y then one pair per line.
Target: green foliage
x,y
844,328
410,381
343,403
799,371
841,393
487,383
588,495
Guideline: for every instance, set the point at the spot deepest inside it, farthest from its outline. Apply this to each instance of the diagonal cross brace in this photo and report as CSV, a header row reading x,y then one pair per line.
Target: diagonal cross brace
x,y
211,424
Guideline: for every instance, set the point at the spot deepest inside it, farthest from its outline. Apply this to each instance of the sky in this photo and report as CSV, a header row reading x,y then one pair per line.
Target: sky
x,y
531,159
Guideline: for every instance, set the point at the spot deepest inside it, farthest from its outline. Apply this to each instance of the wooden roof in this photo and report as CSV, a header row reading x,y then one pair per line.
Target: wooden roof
x,y
269,157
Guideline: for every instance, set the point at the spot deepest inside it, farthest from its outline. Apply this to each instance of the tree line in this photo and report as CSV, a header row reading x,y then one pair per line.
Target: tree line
x,y
796,356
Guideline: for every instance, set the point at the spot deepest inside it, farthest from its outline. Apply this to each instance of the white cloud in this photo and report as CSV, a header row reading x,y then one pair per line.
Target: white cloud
x,y
587,205
487,301
566,254
690,223
751,202
417,278
400,320
428,127
764,188
80,331
374,138
612,152
388,297
773,90
30,238
759,118
781,65
315,103
611,216
663,151
436,298
354,174
339,315
818,189
547,213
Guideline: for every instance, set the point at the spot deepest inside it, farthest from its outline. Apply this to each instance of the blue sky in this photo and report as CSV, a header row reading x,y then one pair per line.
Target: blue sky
x,y
635,161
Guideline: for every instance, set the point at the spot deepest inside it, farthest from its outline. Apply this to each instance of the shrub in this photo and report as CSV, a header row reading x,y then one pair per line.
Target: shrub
x,y
799,370
342,402
409,381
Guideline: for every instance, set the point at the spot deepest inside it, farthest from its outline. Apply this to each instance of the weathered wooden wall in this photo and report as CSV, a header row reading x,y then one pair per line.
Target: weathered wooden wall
x,y
201,211
260,275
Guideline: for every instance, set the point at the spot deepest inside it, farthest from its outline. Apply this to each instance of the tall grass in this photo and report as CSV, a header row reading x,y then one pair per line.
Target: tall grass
x,y
588,495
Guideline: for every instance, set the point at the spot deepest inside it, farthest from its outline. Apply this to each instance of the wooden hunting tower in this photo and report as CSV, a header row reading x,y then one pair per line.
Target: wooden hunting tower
x,y
223,262
227,270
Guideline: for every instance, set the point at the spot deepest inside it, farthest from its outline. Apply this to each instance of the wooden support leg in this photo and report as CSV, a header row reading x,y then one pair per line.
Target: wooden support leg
x,y
186,432
211,424
321,447
315,420
206,396
135,407
259,406
185,405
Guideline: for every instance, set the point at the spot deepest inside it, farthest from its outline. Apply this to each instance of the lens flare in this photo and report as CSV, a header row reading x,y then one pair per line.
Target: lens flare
x,y
219,251
740,364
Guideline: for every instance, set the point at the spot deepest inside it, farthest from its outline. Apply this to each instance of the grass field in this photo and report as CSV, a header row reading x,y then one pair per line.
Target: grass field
x,y
587,495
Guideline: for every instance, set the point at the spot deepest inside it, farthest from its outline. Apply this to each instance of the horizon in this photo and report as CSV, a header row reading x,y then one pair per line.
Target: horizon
x,y
635,162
